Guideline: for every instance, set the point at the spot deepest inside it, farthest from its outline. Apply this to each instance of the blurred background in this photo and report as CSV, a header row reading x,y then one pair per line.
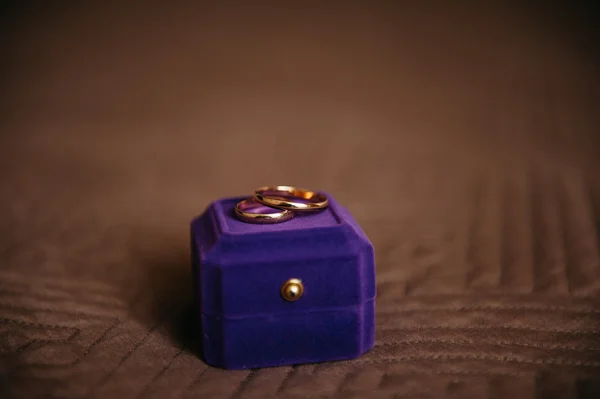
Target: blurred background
x,y
463,136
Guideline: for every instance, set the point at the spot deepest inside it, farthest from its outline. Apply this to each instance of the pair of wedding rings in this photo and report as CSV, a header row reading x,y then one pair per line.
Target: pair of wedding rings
x,y
275,204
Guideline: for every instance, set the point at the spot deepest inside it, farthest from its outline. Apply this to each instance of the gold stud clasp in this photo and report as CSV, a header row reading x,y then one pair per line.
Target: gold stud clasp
x,y
292,290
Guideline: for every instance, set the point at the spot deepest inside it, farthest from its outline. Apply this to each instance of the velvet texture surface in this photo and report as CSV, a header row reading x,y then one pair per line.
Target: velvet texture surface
x,y
239,269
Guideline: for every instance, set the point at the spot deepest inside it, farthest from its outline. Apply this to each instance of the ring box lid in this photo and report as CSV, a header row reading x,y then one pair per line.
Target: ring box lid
x,y
242,266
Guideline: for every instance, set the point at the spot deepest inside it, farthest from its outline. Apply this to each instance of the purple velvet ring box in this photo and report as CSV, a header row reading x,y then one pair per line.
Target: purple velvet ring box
x,y
241,271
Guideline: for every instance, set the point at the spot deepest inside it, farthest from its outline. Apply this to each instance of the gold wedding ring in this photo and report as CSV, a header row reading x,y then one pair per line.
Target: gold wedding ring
x,y
251,211
290,198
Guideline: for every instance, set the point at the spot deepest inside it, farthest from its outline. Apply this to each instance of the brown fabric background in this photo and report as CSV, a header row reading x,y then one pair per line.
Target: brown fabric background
x,y
463,139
